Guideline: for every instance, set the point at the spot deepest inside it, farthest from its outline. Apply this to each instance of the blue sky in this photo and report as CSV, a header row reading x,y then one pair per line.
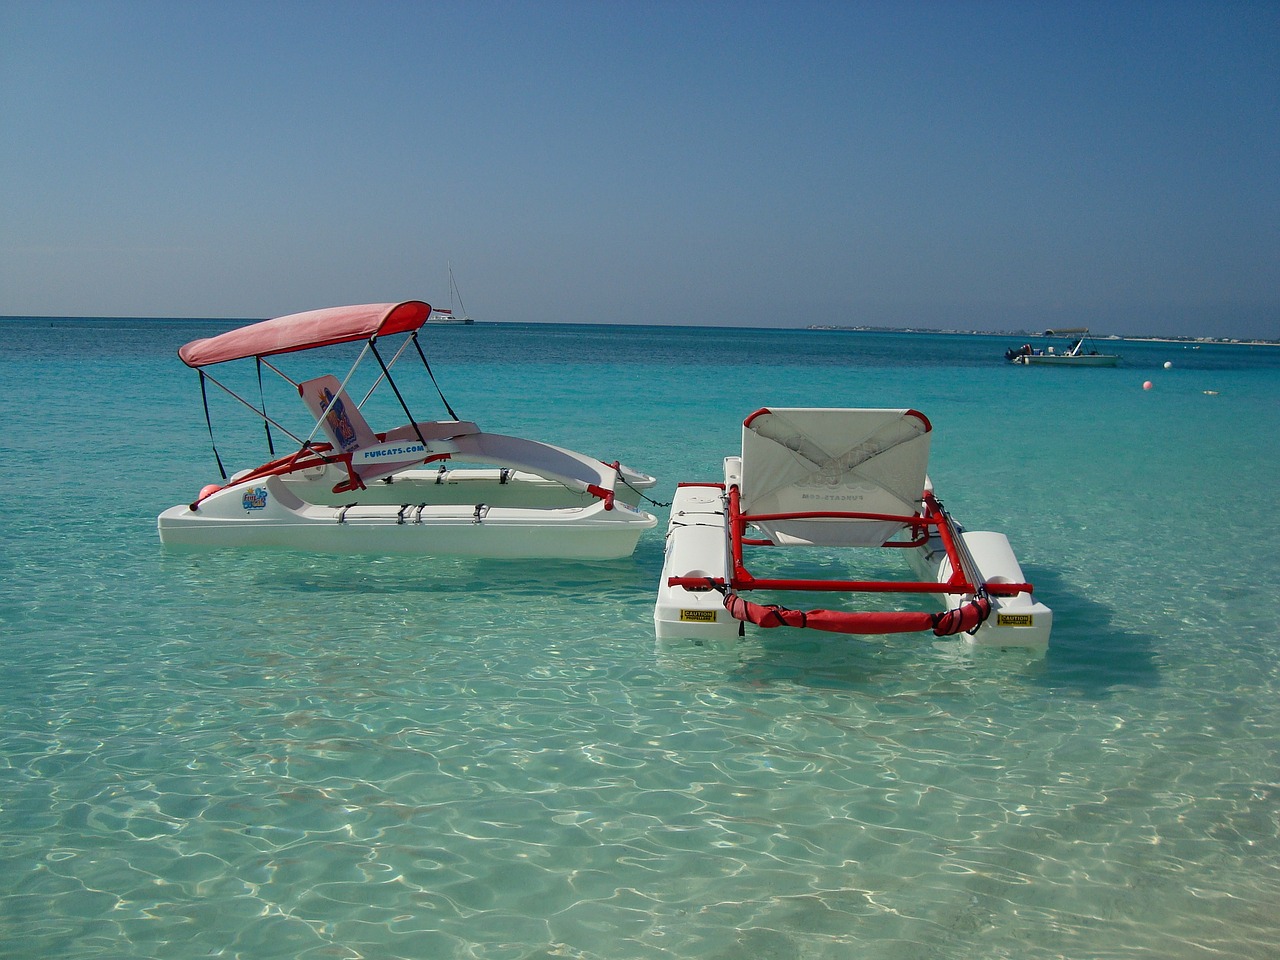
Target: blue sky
x,y
955,165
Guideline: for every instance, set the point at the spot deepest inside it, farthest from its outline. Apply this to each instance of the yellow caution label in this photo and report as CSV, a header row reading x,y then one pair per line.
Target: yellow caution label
x,y
698,616
1015,620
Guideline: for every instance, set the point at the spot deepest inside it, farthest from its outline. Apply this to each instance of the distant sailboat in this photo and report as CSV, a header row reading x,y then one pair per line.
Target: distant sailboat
x,y
441,315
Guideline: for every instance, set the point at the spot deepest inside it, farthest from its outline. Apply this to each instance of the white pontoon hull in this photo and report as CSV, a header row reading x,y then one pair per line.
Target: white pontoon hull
x,y
268,514
697,545
1017,621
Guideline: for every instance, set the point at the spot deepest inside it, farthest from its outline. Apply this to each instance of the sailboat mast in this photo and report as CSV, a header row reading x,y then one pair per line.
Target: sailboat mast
x,y
454,291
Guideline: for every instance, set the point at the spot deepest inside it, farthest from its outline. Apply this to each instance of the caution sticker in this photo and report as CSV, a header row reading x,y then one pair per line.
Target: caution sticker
x,y
1015,620
698,616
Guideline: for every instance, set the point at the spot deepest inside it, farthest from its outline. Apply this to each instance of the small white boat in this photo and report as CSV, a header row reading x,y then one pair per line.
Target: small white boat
x,y
1079,351
438,487
830,488
447,314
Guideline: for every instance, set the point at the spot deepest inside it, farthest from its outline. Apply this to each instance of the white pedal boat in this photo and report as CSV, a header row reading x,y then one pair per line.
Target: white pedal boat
x,y
399,491
831,479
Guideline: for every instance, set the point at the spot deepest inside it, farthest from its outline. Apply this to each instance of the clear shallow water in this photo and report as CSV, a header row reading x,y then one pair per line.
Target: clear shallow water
x,y
275,755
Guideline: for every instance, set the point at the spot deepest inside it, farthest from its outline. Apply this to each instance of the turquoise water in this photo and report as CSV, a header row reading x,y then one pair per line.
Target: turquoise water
x,y
268,755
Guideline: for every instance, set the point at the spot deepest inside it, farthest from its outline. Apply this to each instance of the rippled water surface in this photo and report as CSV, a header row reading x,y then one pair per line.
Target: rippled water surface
x,y
269,754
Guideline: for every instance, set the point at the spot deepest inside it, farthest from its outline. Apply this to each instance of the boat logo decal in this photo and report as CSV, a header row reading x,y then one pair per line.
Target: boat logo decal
x,y
1015,620
697,616
255,498
401,451
339,421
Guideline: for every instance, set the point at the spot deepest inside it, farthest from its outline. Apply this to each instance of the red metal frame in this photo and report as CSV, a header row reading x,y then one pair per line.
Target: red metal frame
x,y
932,516
968,616
314,455
742,579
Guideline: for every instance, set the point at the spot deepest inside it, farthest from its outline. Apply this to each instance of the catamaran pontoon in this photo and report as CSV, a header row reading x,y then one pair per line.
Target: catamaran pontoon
x,y
373,492
837,478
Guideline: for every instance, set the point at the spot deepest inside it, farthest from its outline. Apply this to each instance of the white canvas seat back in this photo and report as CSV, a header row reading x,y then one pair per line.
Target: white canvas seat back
x,y
803,460
341,419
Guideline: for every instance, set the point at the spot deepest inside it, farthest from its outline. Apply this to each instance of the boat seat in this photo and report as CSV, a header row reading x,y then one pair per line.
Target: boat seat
x,y
807,460
341,419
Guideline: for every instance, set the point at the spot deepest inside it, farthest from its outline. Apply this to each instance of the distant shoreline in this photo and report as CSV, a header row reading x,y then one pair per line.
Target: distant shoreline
x,y
1030,335
1021,335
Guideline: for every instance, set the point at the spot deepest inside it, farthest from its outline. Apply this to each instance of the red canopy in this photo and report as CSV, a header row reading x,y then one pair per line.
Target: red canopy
x,y
302,331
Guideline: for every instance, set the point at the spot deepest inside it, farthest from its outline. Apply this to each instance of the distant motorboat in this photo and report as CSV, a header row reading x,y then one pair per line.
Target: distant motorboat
x,y
1080,351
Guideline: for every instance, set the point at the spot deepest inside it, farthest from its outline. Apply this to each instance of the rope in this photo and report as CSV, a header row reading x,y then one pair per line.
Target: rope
x,y
396,390
262,399
418,345
204,396
640,494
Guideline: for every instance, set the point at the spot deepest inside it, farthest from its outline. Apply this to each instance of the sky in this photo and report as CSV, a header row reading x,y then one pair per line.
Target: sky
x,y
944,165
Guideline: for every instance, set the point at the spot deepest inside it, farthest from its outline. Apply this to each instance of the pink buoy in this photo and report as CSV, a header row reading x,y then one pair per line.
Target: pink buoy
x,y
1146,385
208,490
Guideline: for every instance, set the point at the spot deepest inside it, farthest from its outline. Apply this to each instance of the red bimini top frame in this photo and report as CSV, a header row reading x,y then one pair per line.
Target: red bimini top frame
x,y
303,331
963,581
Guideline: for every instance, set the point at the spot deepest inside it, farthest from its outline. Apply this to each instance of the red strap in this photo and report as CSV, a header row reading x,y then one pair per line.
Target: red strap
x,y
966,617
969,616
